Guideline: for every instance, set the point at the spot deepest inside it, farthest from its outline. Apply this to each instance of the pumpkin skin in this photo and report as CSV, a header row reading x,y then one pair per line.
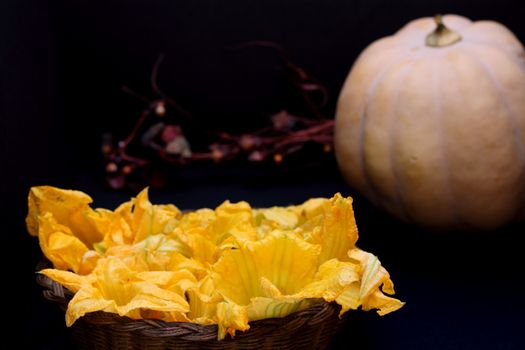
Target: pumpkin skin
x,y
436,135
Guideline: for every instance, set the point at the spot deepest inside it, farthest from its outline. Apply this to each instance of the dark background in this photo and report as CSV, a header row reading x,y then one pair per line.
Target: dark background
x,y
63,63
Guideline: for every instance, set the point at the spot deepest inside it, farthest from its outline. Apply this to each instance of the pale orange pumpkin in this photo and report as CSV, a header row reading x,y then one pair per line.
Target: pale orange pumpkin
x,y
430,124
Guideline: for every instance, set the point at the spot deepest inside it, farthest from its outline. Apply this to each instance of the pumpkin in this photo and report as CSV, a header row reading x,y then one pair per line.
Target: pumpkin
x,y
430,124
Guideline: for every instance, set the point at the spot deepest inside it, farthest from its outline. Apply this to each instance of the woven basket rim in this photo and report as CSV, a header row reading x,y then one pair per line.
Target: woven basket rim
x,y
316,314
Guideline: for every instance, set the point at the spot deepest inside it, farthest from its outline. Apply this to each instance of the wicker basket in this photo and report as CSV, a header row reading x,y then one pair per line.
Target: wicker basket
x,y
312,328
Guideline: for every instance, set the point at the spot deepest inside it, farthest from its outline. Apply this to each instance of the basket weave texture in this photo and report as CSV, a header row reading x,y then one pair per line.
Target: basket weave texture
x,y
312,328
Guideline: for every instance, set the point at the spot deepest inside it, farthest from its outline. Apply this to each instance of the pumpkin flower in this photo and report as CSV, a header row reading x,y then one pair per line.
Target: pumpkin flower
x,y
279,275
156,253
204,299
278,265
333,227
113,287
66,227
69,208
206,233
145,219
59,244
375,280
269,219
233,220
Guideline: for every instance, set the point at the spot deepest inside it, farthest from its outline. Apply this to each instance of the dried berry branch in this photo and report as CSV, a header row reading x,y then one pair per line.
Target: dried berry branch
x,y
158,135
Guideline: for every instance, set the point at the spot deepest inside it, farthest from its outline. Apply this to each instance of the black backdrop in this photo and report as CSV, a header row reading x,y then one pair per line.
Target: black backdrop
x,y
63,63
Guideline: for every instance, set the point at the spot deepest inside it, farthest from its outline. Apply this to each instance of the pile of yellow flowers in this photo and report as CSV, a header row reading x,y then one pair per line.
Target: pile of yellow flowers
x,y
227,266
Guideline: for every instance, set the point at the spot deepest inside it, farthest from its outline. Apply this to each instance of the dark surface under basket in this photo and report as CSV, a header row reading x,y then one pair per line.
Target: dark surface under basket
x,y
312,328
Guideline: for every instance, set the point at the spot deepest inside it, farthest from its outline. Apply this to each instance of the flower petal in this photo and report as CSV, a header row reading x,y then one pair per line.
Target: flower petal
x,y
383,303
68,279
374,279
279,217
203,302
149,296
87,300
146,219
283,259
261,307
176,281
68,207
59,244
233,219
337,232
231,318
332,279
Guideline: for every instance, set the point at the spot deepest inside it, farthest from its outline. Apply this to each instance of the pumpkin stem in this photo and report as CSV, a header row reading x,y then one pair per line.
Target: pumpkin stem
x,y
441,36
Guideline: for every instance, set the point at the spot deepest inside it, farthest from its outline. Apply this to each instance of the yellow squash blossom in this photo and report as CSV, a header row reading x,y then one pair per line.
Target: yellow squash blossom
x,y
229,266
113,287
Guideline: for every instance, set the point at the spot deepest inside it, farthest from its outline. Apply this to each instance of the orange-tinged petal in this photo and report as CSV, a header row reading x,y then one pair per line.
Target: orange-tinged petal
x,y
86,300
231,318
155,253
203,301
198,219
233,219
338,231
89,262
332,279
176,281
69,208
113,287
146,219
373,275
149,296
125,211
140,260
349,299
62,203
65,251
384,304
269,289
59,244
114,228
279,217
153,221
70,280
202,249
312,207
141,207
374,280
